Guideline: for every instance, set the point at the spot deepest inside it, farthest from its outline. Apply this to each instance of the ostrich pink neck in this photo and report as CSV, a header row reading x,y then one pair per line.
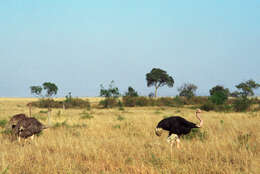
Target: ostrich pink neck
x,y
198,117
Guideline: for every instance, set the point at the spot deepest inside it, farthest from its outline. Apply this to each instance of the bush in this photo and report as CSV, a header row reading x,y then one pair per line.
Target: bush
x,y
209,106
165,101
69,103
46,103
241,104
131,92
109,102
197,134
142,101
197,100
86,115
129,101
77,103
178,101
3,123
218,97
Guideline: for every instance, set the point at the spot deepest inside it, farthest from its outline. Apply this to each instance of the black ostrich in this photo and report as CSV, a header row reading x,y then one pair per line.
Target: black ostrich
x,y
177,126
28,127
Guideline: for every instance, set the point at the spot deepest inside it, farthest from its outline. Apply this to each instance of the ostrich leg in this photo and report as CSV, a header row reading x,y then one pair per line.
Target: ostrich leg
x,y
178,143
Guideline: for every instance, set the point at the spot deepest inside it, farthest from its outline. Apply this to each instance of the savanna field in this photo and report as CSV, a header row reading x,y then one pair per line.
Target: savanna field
x,y
104,141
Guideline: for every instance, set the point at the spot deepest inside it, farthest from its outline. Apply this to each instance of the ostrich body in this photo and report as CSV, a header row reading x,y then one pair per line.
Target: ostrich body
x,y
28,127
177,126
15,119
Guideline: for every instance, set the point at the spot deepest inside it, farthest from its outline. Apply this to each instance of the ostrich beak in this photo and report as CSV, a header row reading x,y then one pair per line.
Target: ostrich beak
x,y
198,111
158,131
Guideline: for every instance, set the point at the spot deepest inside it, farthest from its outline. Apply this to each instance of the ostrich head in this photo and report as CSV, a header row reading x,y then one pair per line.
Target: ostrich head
x,y
20,130
158,131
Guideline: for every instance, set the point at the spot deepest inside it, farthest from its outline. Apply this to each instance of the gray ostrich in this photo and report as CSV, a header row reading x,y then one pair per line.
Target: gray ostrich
x,y
15,119
28,127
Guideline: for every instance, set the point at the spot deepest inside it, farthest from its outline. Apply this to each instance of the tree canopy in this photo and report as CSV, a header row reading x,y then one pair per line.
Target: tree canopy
x,y
50,88
219,94
158,78
112,91
131,92
187,90
247,87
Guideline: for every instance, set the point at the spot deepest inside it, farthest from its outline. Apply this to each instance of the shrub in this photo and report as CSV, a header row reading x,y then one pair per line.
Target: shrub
x,y
208,106
218,97
142,101
187,90
198,100
3,123
178,102
69,103
241,104
77,103
197,134
129,101
85,115
46,103
109,102
131,92
165,101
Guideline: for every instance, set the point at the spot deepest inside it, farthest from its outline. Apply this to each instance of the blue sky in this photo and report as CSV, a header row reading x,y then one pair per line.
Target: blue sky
x,y
81,44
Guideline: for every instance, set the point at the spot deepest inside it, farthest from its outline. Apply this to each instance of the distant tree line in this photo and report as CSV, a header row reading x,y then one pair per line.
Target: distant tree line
x,y
218,100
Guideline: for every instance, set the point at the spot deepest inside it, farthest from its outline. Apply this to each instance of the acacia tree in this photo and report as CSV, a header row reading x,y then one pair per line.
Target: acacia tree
x,y
158,78
187,90
247,88
50,90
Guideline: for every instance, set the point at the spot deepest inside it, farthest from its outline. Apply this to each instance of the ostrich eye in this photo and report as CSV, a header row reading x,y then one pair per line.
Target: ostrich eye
x,y
13,126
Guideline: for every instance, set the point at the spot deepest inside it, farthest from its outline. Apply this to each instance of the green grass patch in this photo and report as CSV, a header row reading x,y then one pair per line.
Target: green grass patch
x,y
120,118
86,115
196,133
3,123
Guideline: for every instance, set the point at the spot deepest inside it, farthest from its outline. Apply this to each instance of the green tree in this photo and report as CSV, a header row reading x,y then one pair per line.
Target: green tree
x,y
111,94
219,94
158,78
36,90
235,94
112,91
219,88
247,88
187,90
50,90
131,92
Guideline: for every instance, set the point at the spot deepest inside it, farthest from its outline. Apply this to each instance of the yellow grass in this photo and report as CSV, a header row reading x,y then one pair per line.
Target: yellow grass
x,y
123,141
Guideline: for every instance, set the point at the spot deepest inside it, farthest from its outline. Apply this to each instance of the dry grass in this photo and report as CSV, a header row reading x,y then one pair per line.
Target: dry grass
x,y
123,141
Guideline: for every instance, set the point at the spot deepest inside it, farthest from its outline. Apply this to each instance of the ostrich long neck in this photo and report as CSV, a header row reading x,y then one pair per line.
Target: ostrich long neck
x,y
201,121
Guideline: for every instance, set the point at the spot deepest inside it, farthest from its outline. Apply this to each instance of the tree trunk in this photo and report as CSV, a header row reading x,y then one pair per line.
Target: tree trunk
x,y
155,93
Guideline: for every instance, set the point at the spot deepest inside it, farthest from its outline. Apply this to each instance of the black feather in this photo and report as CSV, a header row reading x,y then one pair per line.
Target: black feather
x,y
176,125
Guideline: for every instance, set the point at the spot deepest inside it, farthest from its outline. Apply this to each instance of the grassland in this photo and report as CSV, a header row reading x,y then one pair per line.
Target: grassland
x,y
123,141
